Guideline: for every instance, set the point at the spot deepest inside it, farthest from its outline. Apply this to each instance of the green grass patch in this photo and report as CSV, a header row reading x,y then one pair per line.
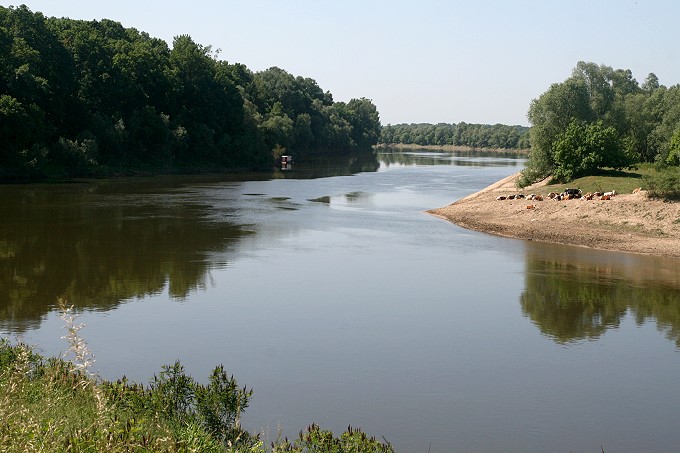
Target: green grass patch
x,y
663,183
622,181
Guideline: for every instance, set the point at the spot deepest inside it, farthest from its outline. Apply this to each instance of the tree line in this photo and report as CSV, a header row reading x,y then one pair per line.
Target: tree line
x,y
82,98
601,118
497,136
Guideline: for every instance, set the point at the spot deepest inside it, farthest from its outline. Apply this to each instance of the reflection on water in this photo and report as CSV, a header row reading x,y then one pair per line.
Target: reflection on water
x,y
573,293
328,287
97,244
405,157
332,165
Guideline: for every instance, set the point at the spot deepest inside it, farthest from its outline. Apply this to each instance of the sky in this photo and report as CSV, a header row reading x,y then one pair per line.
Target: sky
x,y
424,61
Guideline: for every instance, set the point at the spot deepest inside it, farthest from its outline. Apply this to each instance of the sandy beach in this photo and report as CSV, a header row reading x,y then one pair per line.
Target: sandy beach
x,y
627,222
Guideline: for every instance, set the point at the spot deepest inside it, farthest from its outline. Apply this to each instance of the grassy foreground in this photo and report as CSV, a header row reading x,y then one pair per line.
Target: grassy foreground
x,y
57,405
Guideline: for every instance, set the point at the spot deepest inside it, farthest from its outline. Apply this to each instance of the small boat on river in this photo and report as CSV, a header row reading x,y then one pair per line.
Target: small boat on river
x,y
286,163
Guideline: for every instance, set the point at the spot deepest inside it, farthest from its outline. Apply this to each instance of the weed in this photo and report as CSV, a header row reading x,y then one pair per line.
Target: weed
x,y
60,405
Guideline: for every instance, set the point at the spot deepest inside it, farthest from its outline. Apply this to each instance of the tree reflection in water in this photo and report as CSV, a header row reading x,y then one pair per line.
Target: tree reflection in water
x,y
573,293
97,245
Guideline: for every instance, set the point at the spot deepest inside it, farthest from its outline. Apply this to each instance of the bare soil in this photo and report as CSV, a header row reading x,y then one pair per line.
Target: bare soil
x,y
627,223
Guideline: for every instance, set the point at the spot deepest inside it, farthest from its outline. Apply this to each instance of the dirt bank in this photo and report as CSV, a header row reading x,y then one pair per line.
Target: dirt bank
x,y
628,222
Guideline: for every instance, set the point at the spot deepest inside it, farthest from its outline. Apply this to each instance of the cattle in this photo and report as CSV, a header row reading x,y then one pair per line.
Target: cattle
x,y
638,190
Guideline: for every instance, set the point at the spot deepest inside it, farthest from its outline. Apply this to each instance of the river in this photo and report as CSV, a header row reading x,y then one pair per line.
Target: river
x,y
330,293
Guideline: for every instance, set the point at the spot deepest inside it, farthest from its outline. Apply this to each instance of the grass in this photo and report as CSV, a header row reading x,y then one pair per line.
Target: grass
x,y
624,181
659,183
59,405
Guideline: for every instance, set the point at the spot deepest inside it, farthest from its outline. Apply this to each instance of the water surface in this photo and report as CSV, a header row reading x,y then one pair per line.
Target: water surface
x,y
330,293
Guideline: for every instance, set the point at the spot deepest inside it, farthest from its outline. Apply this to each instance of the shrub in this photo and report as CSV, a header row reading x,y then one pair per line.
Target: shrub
x,y
664,184
317,440
59,405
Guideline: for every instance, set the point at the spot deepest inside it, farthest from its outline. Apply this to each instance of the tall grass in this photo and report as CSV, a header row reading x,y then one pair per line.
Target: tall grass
x,y
58,404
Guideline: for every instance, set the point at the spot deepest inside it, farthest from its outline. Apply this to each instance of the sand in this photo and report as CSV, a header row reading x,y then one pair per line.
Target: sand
x,y
627,223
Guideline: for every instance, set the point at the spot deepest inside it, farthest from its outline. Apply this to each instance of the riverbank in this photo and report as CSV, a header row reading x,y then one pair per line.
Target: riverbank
x,y
626,222
449,148
51,404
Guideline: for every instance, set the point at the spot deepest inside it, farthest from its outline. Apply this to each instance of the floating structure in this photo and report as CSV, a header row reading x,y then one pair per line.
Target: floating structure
x,y
286,162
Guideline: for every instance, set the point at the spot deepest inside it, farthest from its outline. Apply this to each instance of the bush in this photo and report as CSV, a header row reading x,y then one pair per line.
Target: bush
x,y
664,184
317,440
59,405
188,407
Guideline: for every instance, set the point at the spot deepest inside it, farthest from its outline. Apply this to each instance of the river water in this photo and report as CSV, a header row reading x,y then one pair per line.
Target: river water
x,y
330,293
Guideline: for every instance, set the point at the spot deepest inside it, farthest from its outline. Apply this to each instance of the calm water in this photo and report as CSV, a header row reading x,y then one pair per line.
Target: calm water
x,y
330,293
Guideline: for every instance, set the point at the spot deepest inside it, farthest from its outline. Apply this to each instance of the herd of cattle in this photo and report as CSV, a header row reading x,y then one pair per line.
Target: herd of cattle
x,y
568,194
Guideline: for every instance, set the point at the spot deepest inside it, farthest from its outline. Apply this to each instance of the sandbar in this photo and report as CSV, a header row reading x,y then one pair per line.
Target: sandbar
x,y
633,223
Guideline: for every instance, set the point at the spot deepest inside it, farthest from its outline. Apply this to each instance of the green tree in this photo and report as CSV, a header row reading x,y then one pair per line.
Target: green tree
x,y
365,122
550,115
651,83
643,113
21,134
278,128
674,150
303,132
668,123
584,148
82,97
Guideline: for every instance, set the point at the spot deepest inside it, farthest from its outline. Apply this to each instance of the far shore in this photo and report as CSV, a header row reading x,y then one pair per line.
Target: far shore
x,y
450,148
627,223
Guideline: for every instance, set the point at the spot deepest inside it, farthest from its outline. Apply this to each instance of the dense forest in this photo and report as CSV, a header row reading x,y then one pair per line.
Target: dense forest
x,y
485,136
82,98
602,118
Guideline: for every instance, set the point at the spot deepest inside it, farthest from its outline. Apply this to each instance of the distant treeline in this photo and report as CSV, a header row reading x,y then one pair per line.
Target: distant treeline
x,y
92,97
461,134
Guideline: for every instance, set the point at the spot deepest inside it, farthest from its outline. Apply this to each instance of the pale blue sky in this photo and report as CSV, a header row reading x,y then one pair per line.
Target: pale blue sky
x,y
478,61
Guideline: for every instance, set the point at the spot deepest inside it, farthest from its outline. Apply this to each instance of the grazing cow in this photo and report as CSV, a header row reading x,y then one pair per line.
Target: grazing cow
x,y
501,198
531,206
638,190
610,194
